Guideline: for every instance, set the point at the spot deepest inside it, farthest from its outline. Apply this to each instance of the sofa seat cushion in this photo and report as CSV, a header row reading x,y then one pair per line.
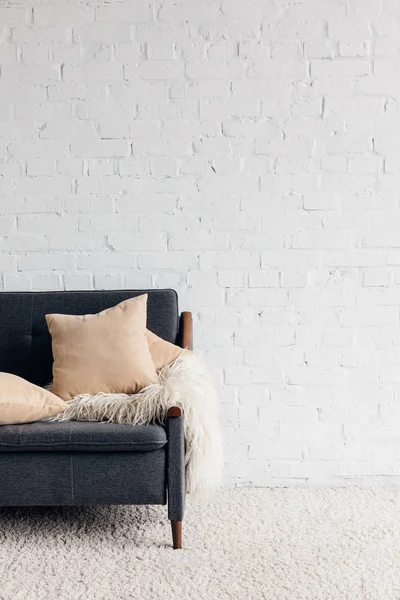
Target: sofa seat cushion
x,y
78,436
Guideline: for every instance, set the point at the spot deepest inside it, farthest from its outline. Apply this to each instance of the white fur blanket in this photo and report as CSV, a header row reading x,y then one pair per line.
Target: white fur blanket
x,y
186,383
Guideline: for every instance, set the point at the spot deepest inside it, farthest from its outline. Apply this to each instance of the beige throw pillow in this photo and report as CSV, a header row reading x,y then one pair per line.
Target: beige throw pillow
x,y
107,352
24,402
162,352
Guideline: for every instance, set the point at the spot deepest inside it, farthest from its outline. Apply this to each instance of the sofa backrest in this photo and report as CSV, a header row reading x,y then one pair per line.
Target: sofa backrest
x,y
25,343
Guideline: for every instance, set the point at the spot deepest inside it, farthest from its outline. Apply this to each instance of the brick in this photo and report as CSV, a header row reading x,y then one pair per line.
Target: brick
x,y
66,129
71,14
32,111
290,258
209,241
204,88
23,243
16,205
137,242
13,15
220,30
187,10
129,204
11,169
220,109
38,148
283,183
135,166
368,316
322,48
33,34
178,147
215,70
180,128
78,281
107,222
230,260
44,186
257,297
160,165
126,52
355,258
45,223
104,33
293,30
154,70
366,164
8,55
350,29
98,71
61,241
108,281
335,163
102,110
75,91
285,50
292,164
70,166
254,50
229,279
101,166
45,262
292,278
173,260
321,201
160,51
264,279
138,280
95,203
11,130
176,32
246,375
29,74
105,261
353,48
16,283
339,68
295,69
7,224
120,13
46,281
349,144
99,148
328,240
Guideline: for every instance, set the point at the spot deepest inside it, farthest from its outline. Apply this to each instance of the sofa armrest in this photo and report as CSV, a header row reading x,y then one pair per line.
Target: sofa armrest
x,y
176,464
186,330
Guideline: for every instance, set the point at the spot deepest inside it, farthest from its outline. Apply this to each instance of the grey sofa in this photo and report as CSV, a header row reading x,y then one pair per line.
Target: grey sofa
x,y
77,463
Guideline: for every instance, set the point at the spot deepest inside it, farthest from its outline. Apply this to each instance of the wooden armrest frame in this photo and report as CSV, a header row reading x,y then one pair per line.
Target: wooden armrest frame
x,y
186,331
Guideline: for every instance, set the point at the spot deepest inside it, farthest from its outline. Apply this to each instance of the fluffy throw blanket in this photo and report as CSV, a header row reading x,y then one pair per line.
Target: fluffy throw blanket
x,y
185,383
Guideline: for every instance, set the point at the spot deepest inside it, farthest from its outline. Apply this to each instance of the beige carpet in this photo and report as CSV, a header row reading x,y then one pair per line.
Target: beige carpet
x,y
291,544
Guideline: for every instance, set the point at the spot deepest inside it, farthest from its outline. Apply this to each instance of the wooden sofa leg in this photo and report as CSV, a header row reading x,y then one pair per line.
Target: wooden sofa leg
x,y
176,527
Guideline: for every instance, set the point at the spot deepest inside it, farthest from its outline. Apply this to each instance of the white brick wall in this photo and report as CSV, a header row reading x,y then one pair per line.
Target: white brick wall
x,y
247,154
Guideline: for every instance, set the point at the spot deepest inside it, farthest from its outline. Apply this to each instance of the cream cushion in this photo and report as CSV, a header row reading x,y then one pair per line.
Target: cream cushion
x,y
106,352
162,352
23,402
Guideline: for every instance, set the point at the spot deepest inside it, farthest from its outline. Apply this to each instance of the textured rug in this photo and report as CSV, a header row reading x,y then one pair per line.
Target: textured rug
x,y
291,544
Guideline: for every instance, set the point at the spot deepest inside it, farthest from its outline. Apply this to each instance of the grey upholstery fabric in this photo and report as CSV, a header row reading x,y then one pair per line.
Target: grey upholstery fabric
x,y
25,343
79,436
176,468
65,478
